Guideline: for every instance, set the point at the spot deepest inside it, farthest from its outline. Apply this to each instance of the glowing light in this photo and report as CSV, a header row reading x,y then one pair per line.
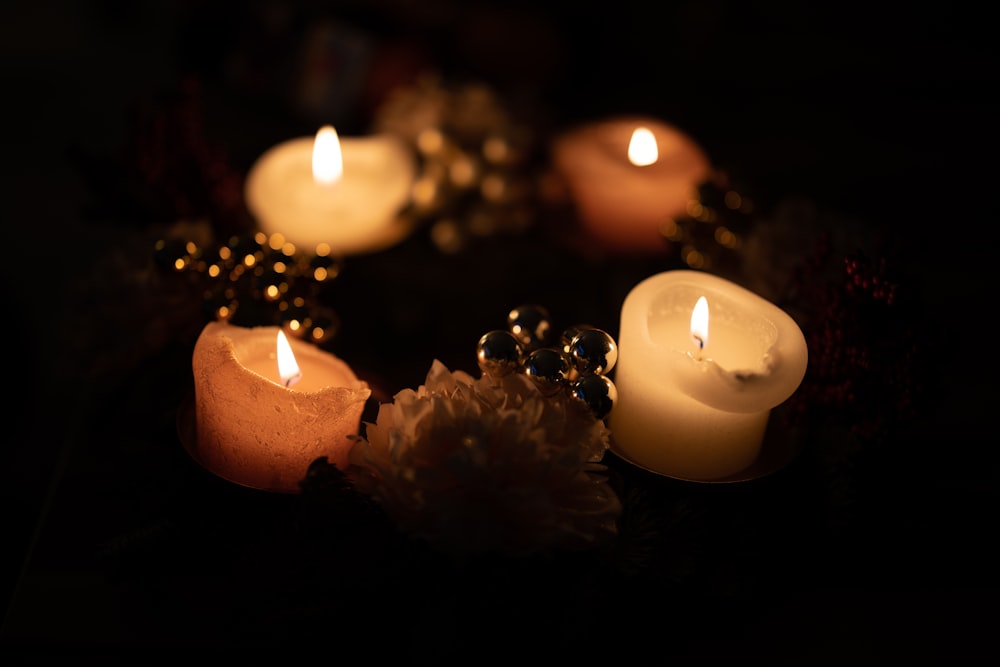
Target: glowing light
x,y
430,141
462,172
496,150
424,192
288,367
699,324
493,187
327,159
642,148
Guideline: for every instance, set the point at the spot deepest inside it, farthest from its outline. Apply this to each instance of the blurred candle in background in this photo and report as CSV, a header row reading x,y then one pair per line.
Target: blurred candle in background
x,y
347,193
625,178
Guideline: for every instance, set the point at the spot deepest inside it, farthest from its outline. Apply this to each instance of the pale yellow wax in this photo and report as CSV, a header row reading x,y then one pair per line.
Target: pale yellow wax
x,y
622,206
700,414
358,214
252,430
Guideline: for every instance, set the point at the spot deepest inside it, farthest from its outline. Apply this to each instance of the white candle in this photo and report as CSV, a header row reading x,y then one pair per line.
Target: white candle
x,y
344,192
626,177
696,382
260,425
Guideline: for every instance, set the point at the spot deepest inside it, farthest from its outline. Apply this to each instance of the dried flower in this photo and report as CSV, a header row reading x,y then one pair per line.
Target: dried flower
x,y
488,465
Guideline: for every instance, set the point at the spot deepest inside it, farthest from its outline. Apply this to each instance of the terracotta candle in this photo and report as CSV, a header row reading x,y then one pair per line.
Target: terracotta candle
x,y
266,406
701,363
344,192
626,177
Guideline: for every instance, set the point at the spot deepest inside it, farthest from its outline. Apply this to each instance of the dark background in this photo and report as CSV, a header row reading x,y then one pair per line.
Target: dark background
x,y
884,114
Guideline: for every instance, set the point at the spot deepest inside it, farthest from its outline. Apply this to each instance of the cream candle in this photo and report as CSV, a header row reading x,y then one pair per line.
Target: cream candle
x,y
344,192
266,407
701,363
626,177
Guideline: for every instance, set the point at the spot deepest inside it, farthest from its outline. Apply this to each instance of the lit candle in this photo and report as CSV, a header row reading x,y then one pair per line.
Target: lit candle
x,y
344,192
701,363
267,407
627,177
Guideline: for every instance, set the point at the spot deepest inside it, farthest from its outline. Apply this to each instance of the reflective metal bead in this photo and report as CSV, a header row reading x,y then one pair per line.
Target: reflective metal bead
x,y
569,333
499,353
593,351
597,392
531,324
550,369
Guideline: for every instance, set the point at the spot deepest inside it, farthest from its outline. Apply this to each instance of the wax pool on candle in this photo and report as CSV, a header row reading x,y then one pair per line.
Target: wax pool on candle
x,y
627,177
694,399
345,192
252,429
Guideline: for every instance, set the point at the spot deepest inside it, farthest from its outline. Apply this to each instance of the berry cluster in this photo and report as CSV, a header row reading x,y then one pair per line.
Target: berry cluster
x,y
864,352
577,363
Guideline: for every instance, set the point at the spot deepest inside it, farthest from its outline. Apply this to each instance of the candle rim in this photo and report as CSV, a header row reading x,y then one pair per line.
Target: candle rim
x,y
783,363
303,350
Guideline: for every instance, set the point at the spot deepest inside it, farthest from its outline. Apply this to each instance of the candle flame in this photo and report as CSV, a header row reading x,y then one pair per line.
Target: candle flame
x,y
699,324
642,149
288,368
328,159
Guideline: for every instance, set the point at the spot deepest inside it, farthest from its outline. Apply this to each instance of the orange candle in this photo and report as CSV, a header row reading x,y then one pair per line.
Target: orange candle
x,y
266,407
626,177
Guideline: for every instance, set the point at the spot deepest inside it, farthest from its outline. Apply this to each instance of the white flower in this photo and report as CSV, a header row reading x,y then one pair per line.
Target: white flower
x,y
488,465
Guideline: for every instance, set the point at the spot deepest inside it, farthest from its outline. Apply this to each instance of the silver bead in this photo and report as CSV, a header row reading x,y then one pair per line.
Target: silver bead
x,y
550,368
597,392
593,351
499,353
531,324
569,333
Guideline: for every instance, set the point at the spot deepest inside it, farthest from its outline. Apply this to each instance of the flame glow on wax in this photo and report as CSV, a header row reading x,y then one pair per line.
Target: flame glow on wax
x,y
288,367
699,324
642,148
327,157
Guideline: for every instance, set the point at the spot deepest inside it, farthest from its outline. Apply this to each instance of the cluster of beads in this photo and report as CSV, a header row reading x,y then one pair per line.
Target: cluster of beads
x,y
474,157
711,233
577,363
256,280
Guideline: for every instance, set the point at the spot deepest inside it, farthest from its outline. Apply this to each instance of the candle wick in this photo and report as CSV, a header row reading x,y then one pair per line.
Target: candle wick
x,y
699,343
292,380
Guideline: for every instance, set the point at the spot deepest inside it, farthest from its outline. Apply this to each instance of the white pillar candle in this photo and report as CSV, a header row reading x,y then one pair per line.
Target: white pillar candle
x,y
694,398
261,427
345,192
626,177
